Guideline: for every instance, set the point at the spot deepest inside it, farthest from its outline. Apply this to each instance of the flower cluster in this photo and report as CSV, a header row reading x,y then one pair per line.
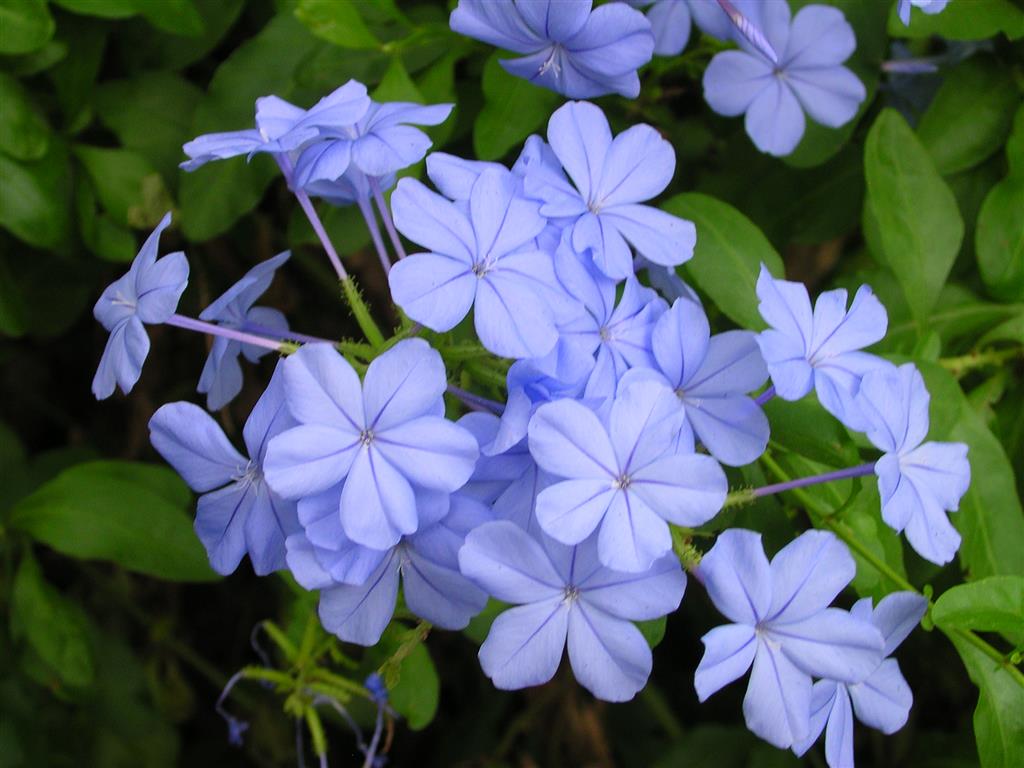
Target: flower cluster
x,y
621,408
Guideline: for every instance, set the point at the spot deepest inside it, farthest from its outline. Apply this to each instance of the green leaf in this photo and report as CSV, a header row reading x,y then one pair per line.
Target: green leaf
x,y
396,85
128,513
42,294
804,427
24,134
970,116
653,630
179,17
415,695
214,197
999,240
480,624
100,233
35,198
919,224
999,716
513,109
338,23
120,178
963,20
151,114
152,48
25,26
990,519
995,604
864,517
105,9
728,257
55,628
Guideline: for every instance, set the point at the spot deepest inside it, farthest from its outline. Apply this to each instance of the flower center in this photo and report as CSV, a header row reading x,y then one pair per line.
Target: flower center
x,y
366,437
552,61
622,482
571,594
250,473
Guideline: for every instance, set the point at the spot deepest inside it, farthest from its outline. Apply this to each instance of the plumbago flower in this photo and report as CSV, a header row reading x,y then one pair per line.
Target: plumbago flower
x,y
221,379
808,77
883,700
930,7
561,594
711,376
571,47
623,478
610,178
238,513
918,481
783,626
484,258
376,441
820,348
148,294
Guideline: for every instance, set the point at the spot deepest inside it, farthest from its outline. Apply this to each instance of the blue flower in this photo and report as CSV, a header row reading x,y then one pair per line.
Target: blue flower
x,y
352,188
275,118
624,479
883,700
381,438
671,21
149,294
807,78
578,52
383,142
238,513
221,379
426,564
563,593
918,481
928,6
483,258
711,375
783,626
820,349
610,178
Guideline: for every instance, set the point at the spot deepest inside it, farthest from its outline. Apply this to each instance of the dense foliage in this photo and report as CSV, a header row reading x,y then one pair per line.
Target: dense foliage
x,y
891,156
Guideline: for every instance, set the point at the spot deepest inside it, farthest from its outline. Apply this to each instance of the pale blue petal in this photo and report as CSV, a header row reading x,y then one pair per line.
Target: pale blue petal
x,y
579,135
402,384
645,419
775,120
615,41
737,576
510,318
501,220
807,574
732,364
431,451
670,23
359,614
728,653
896,616
638,167
221,378
555,19
431,221
323,161
271,520
322,388
733,429
509,564
883,701
778,701
567,439
569,511
830,95
637,597
433,289
378,505
831,644
839,733
525,644
823,696
388,149
733,80
195,445
220,524
819,36
656,235
268,418
500,24
632,535
303,564
680,341
609,656
442,596
160,286
308,459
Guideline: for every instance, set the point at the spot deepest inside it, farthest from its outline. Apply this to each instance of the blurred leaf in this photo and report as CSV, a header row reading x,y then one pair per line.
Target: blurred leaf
x,y
120,177
100,233
480,624
728,257
38,61
513,109
106,9
396,85
999,716
151,114
55,628
1009,330
338,23
804,427
864,517
990,520
25,26
415,695
24,134
970,116
35,198
995,604
131,514
148,47
75,77
213,198
999,240
653,630
179,17
963,20
41,294
919,225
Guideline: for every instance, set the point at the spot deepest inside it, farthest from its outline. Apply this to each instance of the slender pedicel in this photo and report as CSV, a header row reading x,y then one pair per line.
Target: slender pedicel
x,y
765,396
202,326
385,216
311,214
283,335
378,241
476,402
800,482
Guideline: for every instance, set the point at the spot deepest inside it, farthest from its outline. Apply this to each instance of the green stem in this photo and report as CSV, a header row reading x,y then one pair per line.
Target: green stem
x,y
958,366
486,375
361,312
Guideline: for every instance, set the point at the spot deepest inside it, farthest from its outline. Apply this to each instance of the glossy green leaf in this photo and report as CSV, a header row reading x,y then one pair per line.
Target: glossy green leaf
x,y
54,627
338,23
919,224
513,109
136,515
35,198
25,26
995,604
415,695
804,427
970,116
106,9
864,517
653,630
120,178
24,134
728,257
179,17
999,240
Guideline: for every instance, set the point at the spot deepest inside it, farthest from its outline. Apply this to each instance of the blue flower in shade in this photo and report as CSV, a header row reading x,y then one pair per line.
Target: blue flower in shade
x,y
624,479
883,700
570,48
918,481
610,179
383,142
275,118
617,335
711,376
221,379
783,626
670,24
809,77
381,438
820,348
928,6
483,258
563,593
426,563
148,294
352,188
238,513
